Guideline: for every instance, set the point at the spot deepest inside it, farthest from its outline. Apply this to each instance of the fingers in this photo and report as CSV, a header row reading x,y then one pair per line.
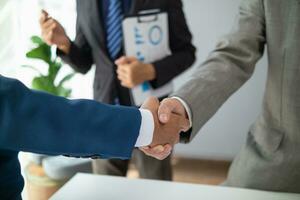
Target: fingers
x,y
122,72
48,37
124,76
49,24
46,21
165,109
127,84
123,69
52,32
151,103
44,16
121,61
159,152
125,60
184,124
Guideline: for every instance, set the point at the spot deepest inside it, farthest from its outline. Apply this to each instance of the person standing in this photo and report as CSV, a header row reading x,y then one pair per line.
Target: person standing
x,y
99,41
269,160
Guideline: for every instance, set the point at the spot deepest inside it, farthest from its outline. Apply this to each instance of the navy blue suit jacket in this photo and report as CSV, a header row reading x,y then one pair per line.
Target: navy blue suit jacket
x,y
37,122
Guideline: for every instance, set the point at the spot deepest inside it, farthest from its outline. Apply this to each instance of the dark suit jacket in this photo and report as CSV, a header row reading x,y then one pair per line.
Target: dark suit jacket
x,y
38,122
89,48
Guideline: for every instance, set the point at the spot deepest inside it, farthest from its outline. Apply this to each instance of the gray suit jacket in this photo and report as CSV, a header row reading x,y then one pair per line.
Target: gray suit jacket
x,y
270,159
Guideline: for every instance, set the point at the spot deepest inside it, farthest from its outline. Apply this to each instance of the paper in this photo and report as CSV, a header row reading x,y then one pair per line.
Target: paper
x,y
146,37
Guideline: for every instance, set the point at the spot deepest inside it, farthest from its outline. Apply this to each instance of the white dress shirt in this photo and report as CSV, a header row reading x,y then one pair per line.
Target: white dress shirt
x,y
187,109
147,129
147,125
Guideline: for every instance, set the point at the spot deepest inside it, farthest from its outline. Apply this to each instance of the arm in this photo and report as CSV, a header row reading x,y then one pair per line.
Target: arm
x,y
183,52
228,67
38,122
79,55
41,123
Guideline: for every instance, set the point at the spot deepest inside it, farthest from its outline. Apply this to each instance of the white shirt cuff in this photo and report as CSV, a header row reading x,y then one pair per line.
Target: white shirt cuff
x,y
187,109
147,128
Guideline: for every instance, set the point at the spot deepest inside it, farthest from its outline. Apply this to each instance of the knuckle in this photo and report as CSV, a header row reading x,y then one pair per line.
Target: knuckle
x,y
129,72
167,103
51,39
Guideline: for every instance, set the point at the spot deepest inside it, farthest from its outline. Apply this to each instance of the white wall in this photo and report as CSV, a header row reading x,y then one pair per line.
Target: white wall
x,y
223,135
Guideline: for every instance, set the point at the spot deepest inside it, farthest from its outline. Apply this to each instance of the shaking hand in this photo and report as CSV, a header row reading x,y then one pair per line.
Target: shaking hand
x,y
165,135
172,114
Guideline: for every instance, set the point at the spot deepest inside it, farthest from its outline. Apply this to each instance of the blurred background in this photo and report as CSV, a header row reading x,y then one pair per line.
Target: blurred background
x,y
221,138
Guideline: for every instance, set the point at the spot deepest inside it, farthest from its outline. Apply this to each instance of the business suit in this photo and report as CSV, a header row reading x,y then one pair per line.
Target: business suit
x,y
270,158
38,122
90,48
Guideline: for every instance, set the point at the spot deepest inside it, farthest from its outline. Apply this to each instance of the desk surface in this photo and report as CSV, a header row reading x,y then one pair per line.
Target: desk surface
x,y
94,187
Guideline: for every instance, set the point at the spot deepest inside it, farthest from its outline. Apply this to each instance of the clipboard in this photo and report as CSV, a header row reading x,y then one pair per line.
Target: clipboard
x,y
146,37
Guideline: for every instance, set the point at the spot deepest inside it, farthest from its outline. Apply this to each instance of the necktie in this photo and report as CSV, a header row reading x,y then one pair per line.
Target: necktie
x,y
114,34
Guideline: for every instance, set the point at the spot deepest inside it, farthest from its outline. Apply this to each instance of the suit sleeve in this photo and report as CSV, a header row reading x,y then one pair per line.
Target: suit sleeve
x,y
228,67
80,56
183,52
37,122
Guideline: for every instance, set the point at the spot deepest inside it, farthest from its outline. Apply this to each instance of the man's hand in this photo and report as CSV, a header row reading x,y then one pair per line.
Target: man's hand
x,y
131,72
168,107
165,135
53,33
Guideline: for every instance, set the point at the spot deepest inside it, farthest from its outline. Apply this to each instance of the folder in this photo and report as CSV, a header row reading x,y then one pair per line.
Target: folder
x,y
146,37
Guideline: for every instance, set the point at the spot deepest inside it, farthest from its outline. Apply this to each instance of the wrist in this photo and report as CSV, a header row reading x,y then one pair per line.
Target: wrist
x,y
150,72
65,46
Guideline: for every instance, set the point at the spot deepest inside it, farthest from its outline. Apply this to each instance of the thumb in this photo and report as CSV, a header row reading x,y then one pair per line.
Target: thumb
x,y
44,16
184,124
165,109
44,12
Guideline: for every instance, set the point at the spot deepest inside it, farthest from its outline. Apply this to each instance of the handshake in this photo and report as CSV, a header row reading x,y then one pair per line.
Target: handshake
x,y
170,119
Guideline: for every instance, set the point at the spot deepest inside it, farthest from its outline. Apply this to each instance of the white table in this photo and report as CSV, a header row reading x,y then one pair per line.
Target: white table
x,y
94,187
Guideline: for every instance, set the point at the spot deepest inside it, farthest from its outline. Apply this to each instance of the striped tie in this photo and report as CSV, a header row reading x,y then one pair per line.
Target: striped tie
x,y
114,28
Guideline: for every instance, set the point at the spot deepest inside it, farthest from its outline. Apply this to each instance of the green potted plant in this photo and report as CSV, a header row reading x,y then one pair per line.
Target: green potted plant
x,y
48,82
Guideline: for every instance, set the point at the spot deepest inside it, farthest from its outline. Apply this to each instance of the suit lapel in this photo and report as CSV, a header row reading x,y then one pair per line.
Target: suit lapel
x,y
97,28
96,24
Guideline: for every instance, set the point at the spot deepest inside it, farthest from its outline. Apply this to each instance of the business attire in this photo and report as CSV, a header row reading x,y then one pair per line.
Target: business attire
x,y
98,24
38,122
270,158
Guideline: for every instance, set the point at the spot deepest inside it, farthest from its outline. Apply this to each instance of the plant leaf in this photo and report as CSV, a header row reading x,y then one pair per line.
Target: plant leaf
x,y
66,78
42,52
63,92
37,40
47,83
33,68
53,70
43,83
